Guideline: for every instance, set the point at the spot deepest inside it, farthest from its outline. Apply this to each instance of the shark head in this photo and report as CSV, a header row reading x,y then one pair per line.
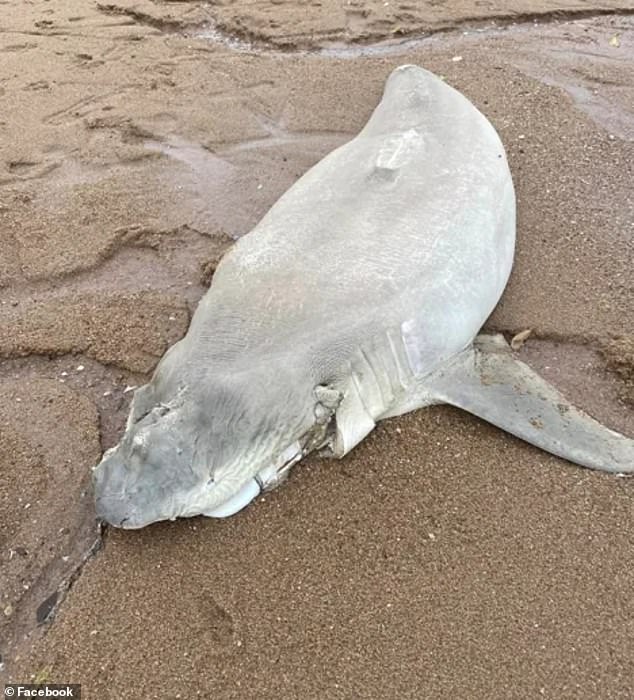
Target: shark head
x,y
208,448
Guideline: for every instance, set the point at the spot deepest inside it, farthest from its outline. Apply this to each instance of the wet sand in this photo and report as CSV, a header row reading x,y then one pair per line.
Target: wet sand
x,y
442,558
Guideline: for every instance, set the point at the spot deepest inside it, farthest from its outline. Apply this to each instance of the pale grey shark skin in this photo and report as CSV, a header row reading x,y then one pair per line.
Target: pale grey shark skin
x,y
357,297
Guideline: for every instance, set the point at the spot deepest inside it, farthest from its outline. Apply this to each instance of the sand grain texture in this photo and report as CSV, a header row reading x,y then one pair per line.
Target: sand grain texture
x,y
442,558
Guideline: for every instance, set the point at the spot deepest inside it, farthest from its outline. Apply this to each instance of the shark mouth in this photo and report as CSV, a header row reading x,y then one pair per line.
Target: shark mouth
x,y
320,436
266,479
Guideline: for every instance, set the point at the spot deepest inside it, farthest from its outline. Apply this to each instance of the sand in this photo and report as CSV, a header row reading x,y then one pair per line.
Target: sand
x,y
442,558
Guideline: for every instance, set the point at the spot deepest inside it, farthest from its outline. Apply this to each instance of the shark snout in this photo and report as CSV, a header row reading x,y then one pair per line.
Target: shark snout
x,y
113,502
114,510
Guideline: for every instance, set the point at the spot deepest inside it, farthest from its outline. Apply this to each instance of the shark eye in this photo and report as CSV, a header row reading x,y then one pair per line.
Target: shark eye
x,y
139,444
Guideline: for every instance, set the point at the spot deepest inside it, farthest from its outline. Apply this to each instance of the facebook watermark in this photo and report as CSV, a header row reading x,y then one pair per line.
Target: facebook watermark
x,y
44,690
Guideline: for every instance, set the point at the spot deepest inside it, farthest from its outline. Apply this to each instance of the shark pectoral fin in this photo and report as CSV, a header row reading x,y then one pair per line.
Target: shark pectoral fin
x,y
237,502
489,382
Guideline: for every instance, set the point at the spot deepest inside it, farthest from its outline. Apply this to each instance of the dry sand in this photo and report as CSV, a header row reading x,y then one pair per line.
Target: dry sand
x,y
442,558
